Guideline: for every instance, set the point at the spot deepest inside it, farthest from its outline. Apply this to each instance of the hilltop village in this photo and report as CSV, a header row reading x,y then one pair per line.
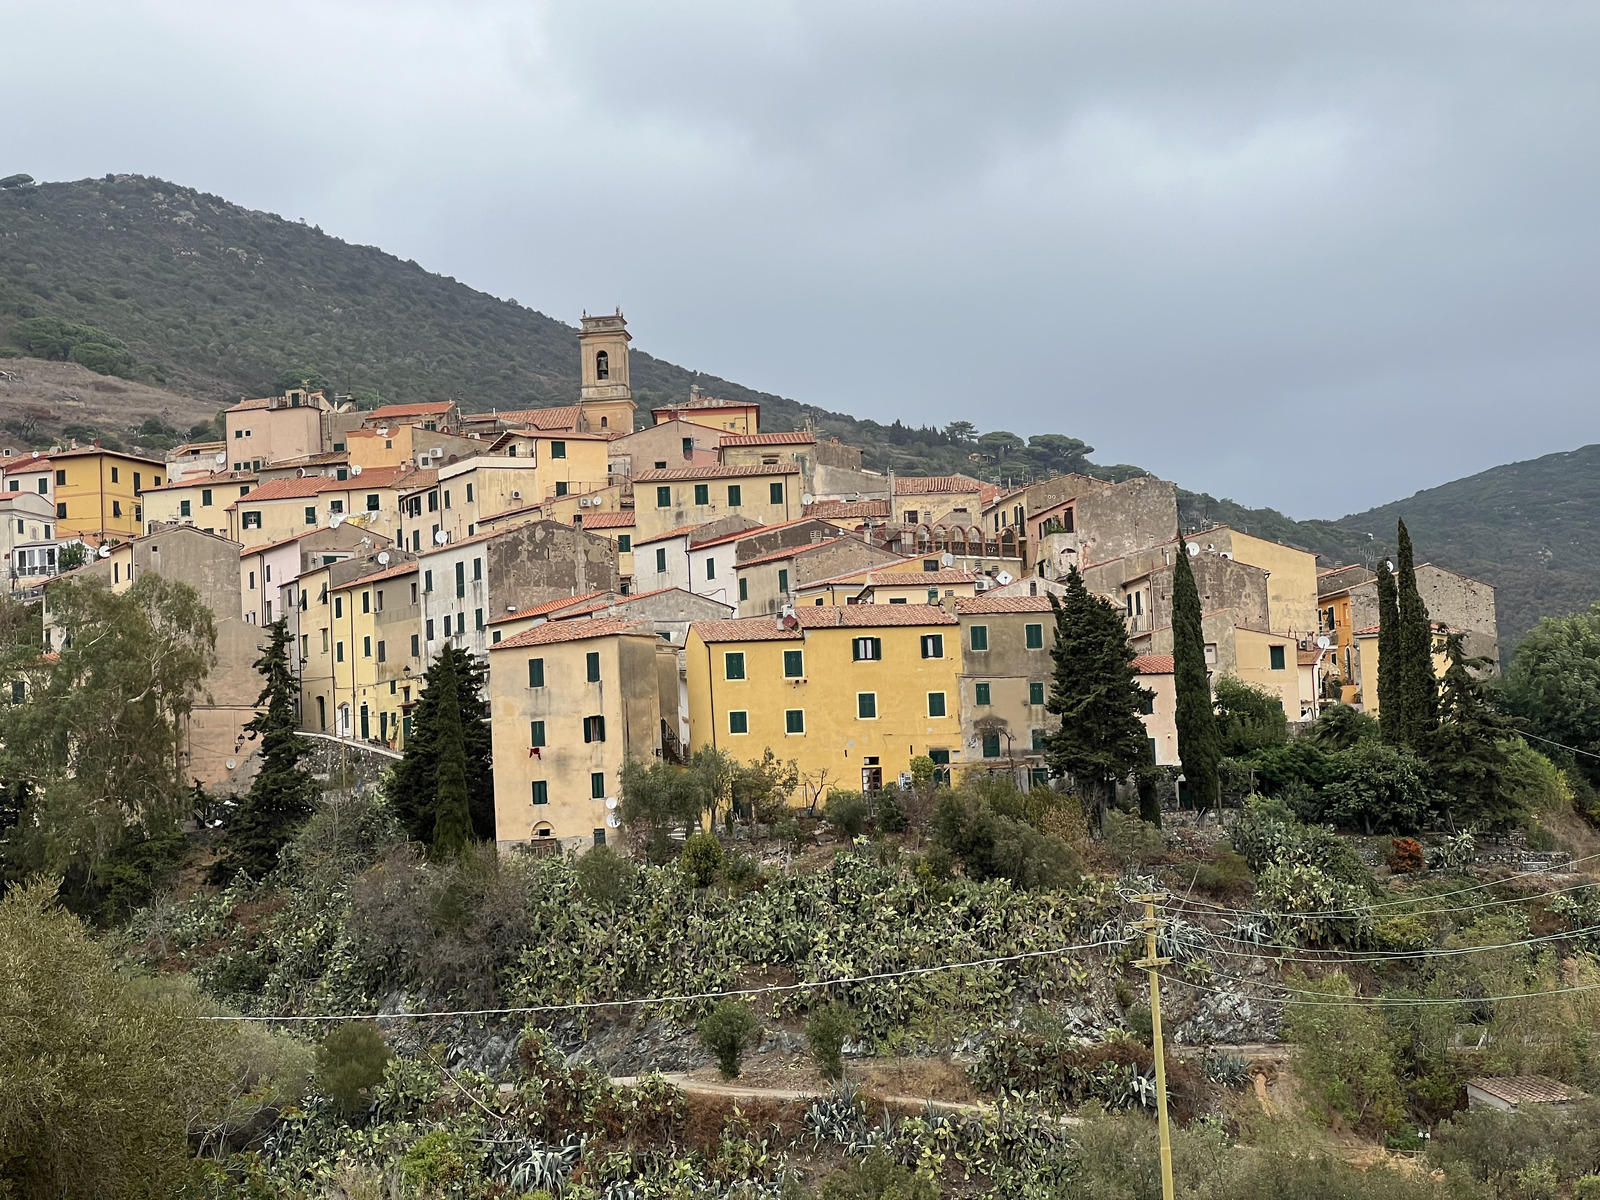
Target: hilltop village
x,y
639,589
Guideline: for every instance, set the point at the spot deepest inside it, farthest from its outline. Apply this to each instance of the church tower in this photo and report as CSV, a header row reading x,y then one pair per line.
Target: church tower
x,y
606,399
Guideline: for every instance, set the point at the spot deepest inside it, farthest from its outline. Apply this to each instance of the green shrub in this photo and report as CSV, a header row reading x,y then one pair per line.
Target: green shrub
x,y
846,812
350,1063
1132,839
1378,788
740,871
991,846
726,1032
878,1177
440,1161
605,878
1227,873
702,855
889,811
826,1033
1346,1054
1249,718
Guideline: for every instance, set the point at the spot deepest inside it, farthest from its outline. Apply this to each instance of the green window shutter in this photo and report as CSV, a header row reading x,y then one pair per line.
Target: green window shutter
x,y
866,705
775,493
794,721
936,704
794,664
1038,739
661,562
733,665
558,449
597,785
735,496
541,789
461,580
702,493
991,745
981,693
711,568
980,637
1276,653
311,514
536,672
536,733
592,666
625,543
1035,635
1036,693
663,497
738,722
783,579
933,645
744,589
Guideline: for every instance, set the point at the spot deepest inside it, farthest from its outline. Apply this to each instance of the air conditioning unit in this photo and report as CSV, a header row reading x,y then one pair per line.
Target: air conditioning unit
x,y
982,583
516,495
436,452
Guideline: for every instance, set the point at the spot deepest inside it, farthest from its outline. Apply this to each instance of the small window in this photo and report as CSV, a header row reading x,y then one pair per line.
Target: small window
x,y
1038,740
936,704
113,475
744,589
866,705
775,493
1276,657
366,597
433,501
794,721
1035,636
541,792
661,561
61,510
311,514
116,508
469,493
602,365
794,664
183,508
1147,703
933,645
591,663
991,745
980,693
980,638
738,722
702,493
536,672
783,581
427,581
594,729
338,602
338,651
461,580
336,506
536,733
205,498
663,497
733,665
597,785
561,487
1036,693
61,478
383,654
366,647
933,595
735,495
866,649
711,568
428,629
558,449
416,650
372,501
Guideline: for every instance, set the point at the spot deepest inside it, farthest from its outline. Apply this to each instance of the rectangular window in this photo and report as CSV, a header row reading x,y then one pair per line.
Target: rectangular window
x,y
338,606
866,705
383,652
866,649
558,449
428,629
936,704
663,497
794,720
433,501
794,664
366,647
783,581
1276,655
324,641
61,510
991,745
561,487
61,478
594,729
1035,636
1038,740
205,498
477,617
416,649
447,497
461,580
775,493
113,475
711,568
366,597
536,733
744,589
338,651
477,569
44,486
116,508
1147,703
427,581
980,693
535,672
933,645
597,785
591,663
1036,693
733,665
469,493
372,501
735,496
702,493
738,722
980,638
183,508
624,543
138,483
541,792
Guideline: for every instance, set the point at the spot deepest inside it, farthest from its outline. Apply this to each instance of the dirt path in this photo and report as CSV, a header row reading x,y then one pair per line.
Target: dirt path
x,y
717,1087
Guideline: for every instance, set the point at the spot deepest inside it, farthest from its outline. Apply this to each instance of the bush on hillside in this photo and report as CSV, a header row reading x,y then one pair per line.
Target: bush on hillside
x,y
846,812
1249,718
726,1031
991,846
702,855
350,1064
826,1033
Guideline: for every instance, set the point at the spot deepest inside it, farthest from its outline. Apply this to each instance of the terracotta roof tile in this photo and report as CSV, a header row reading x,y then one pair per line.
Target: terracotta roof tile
x,y
753,531
1530,1089
608,520
562,418
1003,604
393,412
917,578
680,531
574,631
833,616
1153,664
35,461
767,439
791,552
549,606
710,472
846,509
923,485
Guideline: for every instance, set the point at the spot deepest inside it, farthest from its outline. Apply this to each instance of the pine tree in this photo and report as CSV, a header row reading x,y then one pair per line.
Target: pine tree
x,y
1391,705
1096,693
1199,743
1418,687
414,786
281,796
452,827
1468,748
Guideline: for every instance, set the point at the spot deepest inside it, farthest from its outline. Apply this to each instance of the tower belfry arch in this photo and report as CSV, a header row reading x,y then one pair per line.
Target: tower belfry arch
x,y
605,396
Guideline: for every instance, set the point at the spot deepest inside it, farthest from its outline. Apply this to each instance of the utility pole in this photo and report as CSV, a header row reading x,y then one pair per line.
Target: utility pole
x,y
1151,924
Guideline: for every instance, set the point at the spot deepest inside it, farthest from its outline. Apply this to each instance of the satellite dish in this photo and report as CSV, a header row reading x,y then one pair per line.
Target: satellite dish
x,y
808,499
383,431
335,520
356,469
1193,548
947,559
105,551
222,458
613,820
611,801
440,538
1003,578
1324,642
232,763
383,558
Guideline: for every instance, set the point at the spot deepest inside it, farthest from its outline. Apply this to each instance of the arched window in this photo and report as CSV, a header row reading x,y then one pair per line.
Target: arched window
x,y
602,365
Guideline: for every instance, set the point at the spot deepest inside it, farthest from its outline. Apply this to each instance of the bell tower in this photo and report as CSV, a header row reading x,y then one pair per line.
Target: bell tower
x,y
606,398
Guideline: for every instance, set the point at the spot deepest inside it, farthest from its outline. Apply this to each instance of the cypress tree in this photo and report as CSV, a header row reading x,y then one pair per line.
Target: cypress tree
x,y
1391,710
1468,748
1419,693
1095,691
413,787
281,795
452,825
1199,743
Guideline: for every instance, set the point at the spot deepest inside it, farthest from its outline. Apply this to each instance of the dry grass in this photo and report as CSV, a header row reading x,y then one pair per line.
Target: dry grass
x,y
55,394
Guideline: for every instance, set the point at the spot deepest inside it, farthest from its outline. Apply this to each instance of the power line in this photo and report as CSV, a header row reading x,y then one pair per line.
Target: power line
x,y
1559,745
642,1000
1360,957
1374,1001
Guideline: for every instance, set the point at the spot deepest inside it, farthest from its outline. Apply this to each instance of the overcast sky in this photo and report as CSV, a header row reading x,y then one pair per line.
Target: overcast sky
x,y
1311,256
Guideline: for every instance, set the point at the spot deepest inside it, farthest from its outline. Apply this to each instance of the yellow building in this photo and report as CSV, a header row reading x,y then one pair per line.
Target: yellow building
x,y
282,508
679,496
847,588
459,498
200,500
99,493
571,702
1367,664
852,694
1291,577
605,395
727,416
